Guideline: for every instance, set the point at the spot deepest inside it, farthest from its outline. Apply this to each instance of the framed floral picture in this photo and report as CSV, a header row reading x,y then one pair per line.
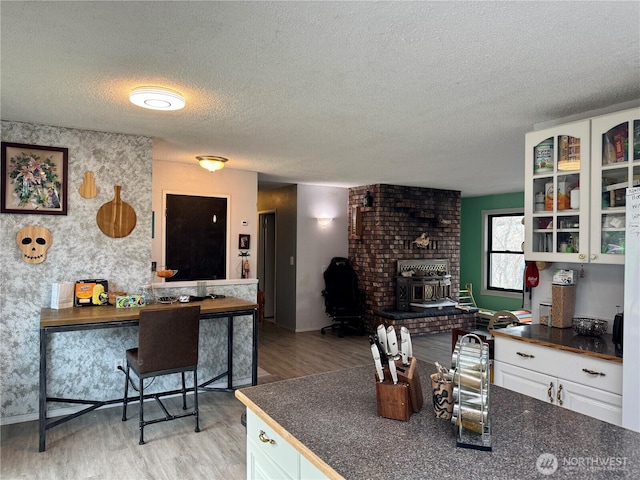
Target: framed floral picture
x,y
34,179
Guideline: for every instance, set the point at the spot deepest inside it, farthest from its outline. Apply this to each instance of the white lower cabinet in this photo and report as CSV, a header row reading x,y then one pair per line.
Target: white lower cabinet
x,y
309,472
262,467
596,403
581,383
526,382
270,457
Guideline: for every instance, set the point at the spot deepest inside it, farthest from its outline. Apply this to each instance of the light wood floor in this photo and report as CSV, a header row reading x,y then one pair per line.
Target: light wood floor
x,y
285,354
100,446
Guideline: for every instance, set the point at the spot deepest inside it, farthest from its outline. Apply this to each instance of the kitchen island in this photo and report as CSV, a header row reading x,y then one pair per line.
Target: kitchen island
x,y
330,421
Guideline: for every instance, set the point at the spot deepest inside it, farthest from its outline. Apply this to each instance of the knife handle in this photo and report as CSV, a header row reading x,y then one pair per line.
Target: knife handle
x,y
379,370
383,354
378,363
392,371
382,337
392,340
405,355
405,335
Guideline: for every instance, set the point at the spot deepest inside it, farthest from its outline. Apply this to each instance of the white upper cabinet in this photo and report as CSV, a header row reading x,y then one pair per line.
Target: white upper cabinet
x,y
556,193
575,181
615,150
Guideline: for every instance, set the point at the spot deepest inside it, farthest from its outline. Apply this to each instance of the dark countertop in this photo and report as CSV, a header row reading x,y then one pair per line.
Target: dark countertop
x,y
563,339
334,416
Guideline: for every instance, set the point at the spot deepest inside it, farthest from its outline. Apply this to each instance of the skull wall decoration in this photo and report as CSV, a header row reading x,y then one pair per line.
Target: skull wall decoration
x,y
34,241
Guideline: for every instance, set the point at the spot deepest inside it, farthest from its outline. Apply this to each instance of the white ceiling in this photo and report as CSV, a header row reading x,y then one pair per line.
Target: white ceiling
x,y
432,94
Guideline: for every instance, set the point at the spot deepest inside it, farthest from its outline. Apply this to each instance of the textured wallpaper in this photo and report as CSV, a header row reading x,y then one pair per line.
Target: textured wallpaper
x,y
81,364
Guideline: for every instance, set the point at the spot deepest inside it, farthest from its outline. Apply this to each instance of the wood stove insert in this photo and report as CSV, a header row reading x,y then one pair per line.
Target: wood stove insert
x,y
423,283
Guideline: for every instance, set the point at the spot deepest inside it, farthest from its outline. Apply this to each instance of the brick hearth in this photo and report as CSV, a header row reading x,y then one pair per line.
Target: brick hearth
x,y
426,321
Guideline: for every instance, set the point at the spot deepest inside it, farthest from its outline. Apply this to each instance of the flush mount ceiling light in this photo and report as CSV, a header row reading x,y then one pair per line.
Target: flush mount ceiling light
x,y
156,98
212,163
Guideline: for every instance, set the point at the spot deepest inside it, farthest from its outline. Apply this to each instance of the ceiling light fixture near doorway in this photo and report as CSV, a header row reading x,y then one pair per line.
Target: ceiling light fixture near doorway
x,y
157,98
211,163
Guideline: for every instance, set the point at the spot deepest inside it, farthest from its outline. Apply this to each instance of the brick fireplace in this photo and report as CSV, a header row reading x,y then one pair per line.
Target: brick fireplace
x,y
389,225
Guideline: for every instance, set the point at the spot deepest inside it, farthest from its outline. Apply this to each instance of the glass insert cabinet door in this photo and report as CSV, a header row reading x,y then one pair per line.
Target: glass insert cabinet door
x,y
557,187
615,166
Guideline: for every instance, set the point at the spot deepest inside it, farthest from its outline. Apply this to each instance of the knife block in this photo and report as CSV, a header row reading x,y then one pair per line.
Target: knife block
x,y
399,401
411,377
393,400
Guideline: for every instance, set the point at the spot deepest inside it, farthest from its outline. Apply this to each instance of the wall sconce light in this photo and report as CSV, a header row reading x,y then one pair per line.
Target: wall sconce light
x,y
323,222
156,98
211,163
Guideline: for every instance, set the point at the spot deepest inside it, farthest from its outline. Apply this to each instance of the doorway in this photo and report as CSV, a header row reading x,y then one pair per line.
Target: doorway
x,y
267,261
195,236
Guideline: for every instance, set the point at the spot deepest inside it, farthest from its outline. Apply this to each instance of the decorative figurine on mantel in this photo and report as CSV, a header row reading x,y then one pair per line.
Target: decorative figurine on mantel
x,y
367,201
422,241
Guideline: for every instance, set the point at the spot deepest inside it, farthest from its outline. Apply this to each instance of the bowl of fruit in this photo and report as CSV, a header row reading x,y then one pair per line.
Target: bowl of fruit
x,y
166,273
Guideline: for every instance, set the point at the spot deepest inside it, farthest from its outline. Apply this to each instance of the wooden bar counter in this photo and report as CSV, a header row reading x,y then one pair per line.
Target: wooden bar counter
x,y
94,315
89,318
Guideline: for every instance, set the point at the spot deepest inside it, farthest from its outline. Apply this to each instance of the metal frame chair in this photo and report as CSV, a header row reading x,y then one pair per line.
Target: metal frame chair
x,y
167,344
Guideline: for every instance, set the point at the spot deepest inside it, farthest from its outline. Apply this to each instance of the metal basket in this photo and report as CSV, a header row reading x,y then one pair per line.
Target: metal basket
x,y
164,295
592,327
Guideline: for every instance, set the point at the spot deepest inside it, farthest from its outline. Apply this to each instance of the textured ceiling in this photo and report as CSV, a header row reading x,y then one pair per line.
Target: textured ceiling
x,y
432,94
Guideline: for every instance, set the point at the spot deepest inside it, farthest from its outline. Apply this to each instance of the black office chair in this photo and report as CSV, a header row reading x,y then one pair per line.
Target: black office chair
x,y
167,344
343,301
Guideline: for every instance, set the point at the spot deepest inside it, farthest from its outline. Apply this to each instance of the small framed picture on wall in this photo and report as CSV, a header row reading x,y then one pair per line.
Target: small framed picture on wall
x,y
244,242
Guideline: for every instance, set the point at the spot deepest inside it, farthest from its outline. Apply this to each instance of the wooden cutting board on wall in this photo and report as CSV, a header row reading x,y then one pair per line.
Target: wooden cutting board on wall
x,y
116,218
88,187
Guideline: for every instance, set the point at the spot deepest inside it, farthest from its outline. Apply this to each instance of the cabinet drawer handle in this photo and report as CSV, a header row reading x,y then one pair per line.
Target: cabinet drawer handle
x,y
559,396
264,439
524,355
550,392
592,372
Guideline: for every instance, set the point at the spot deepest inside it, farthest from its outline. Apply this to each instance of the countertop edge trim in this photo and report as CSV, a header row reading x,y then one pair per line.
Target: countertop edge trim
x,y
293,441
608,358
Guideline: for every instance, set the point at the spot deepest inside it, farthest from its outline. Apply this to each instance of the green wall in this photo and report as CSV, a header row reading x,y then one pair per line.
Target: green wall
x,y
471,246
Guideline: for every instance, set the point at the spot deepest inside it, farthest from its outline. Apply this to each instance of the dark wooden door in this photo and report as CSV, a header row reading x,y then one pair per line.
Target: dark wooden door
x,y
196,237
267,263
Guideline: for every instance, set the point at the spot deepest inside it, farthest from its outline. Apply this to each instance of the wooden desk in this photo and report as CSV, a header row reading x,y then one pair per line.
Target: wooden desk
x,y
89,318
